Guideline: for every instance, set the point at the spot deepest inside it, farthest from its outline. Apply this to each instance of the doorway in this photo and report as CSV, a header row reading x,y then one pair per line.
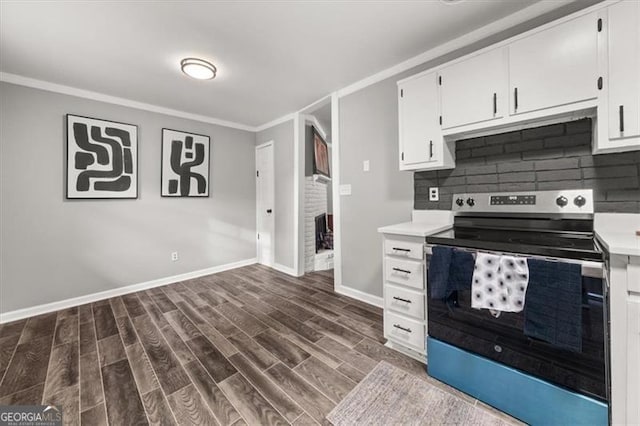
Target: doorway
x,y
265,216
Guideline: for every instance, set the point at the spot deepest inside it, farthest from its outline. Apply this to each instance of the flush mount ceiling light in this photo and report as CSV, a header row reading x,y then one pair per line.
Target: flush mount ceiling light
x,y
198,68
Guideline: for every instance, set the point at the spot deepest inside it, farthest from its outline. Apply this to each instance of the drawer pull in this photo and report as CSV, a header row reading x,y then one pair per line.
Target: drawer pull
x,y
401,299
401,270
401,249
408,330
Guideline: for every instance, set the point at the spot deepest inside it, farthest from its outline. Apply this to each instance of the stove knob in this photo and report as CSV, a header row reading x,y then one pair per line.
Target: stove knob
x,y
460,202
562,201
471,202
579,201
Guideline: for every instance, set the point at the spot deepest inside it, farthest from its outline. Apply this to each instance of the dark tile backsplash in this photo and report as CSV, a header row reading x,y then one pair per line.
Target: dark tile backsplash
x,y
543,158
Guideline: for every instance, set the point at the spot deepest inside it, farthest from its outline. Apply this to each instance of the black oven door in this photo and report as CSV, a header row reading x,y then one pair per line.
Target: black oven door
x,y
502,339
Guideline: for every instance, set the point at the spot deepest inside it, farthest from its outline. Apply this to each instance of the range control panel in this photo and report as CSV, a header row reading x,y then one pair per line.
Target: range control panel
x,y
574,201
498,200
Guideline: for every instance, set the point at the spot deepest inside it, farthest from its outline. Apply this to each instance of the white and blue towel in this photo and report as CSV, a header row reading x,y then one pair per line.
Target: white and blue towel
x,y
499,283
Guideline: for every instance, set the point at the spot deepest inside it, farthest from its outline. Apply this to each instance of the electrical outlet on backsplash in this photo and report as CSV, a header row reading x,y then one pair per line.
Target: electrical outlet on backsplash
x,y
551,157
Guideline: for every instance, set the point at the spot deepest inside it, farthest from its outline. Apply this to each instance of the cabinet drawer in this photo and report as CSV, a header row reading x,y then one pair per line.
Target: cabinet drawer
x,y
406,301
405,272
404,330
408,249
633,276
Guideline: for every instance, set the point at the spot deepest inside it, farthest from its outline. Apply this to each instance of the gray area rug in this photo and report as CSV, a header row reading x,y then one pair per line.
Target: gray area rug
x,y
390,396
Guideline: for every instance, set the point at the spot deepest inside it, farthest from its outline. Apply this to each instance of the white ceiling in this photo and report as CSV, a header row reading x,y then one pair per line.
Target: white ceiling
x,y
273,57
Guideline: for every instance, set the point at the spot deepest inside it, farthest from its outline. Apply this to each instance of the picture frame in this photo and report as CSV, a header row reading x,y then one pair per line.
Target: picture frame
x,y
185,164
320,155
102,158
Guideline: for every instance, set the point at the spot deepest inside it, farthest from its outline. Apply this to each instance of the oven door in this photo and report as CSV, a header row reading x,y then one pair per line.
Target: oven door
x,y
502,339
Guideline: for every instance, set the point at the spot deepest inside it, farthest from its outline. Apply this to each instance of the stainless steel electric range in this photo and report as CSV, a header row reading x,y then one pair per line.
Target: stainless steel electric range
x,y
550,225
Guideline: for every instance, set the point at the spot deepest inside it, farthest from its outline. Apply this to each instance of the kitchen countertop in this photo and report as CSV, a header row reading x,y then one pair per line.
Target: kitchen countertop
x,y
425,222
617,232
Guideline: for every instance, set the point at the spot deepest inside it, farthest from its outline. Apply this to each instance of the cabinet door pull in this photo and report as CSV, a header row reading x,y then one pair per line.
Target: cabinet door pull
x,y
401,299
621,118
515,99
430,149
401,270
495,103
401,249
599,83
408,330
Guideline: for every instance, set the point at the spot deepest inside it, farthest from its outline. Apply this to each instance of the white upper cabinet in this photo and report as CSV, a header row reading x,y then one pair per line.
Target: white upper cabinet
x,y
619,59
553,67
474,90
421,142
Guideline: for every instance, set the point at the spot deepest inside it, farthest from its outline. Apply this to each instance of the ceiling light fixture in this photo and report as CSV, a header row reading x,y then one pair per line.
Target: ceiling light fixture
x,y
198,68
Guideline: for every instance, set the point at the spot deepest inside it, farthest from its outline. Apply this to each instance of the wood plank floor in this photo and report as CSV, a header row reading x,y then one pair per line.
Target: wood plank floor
x,y
246,346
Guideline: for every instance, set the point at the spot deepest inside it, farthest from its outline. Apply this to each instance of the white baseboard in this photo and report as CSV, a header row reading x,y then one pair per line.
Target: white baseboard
x,y
284,269
360,295
90,298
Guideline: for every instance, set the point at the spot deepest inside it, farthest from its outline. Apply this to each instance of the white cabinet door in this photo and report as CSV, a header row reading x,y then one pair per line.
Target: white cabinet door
x,y
554,67
633,362
420,135
624,69
473,90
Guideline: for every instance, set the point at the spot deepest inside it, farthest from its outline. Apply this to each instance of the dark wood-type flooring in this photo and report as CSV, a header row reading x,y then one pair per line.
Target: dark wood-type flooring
x,y
246,346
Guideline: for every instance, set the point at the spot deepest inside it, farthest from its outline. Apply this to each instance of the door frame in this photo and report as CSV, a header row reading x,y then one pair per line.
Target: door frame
x,y
271,260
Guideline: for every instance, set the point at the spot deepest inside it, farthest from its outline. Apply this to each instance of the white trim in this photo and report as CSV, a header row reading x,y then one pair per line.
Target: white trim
x,y
298,192
284,269
272,259
360,295
335,181
275,122
311,119
503,24
90,298
101,97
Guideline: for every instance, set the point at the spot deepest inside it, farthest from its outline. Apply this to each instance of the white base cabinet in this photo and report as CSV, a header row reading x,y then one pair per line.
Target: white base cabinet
x,y
624,305
404,293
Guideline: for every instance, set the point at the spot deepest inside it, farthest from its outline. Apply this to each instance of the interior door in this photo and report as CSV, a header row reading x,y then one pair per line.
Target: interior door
x,y
556,66
264,203
474,90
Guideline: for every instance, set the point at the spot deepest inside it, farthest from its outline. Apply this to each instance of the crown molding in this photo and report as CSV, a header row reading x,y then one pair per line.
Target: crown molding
x,y
275,122
101,97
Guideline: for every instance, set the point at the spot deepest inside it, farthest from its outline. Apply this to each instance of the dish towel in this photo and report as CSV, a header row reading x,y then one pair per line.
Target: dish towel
x,y
499,283
449,270
554,304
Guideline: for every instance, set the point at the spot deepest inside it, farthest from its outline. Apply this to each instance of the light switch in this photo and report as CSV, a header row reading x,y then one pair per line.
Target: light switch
x,y
365,166
345,189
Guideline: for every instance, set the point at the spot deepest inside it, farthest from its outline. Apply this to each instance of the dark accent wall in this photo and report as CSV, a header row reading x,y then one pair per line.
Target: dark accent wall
x,y
544,158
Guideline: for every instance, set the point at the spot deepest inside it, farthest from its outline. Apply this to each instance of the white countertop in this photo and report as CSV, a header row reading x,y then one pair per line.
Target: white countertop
x,y
425,222
617,232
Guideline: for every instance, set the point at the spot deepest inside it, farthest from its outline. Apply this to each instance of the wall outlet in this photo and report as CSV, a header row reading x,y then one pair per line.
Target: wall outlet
x,y
365,166
174,256
345,189
434,194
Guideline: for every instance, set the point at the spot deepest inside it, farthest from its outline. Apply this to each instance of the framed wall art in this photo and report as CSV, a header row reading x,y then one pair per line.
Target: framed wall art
x,y
185,164
102,158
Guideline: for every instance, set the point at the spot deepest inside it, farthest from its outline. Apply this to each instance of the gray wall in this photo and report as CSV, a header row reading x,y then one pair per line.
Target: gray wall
x,y
54,249
544,158
282,137
382,196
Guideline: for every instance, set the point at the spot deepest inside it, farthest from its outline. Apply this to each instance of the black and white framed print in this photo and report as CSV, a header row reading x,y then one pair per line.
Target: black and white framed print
x,y
185,164
102,158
